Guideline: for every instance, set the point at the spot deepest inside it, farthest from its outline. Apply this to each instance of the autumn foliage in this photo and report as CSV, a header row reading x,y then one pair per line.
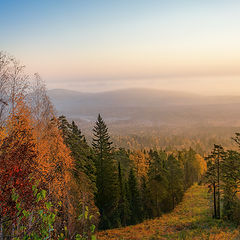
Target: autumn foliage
x,y
55,185
33,153
18,159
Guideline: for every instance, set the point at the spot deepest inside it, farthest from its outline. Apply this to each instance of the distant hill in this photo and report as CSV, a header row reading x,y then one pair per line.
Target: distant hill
x,y
149,107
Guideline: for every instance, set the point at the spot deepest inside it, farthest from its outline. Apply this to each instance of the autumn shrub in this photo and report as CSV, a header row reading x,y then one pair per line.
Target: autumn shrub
x,y
38,222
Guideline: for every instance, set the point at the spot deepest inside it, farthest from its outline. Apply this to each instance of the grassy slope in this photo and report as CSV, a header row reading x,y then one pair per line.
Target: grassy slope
x,y
191,219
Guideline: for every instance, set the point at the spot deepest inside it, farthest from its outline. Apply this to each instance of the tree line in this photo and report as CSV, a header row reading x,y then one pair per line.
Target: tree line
x,y
56,185
132,185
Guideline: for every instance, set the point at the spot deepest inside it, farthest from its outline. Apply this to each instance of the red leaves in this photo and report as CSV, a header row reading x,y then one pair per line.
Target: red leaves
x,y
17,156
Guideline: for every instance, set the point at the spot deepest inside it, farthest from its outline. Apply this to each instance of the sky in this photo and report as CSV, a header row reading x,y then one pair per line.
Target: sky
x,y
99,45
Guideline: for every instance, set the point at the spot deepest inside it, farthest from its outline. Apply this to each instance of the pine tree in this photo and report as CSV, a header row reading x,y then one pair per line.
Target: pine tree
x,y
123,205
230,181
213,176
157,176
107,194
175,180
219,155
80,150
146,199
134,198
84,170
122,156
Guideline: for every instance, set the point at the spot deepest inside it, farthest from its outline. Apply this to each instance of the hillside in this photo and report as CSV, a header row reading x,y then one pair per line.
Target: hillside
x,y
151,118
148,107
191,219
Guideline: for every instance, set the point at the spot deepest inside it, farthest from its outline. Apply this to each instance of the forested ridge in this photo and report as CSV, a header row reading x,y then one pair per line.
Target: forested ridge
x,y
54,184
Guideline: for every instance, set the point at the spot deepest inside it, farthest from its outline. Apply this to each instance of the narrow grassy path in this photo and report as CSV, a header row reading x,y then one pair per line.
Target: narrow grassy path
x,y
191,219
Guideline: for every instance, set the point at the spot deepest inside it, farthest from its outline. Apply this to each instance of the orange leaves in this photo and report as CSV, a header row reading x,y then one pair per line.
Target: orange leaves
x,y
54,160
17,157
2,134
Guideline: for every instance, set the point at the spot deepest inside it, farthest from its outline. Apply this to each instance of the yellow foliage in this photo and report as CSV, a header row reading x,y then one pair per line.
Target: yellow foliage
x,y
202,164
54,161
141,162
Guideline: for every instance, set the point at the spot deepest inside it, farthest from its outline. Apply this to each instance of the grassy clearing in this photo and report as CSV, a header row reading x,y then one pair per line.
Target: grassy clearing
x,y
191,219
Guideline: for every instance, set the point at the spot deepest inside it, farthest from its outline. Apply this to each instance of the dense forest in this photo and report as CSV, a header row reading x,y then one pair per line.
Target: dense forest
x,y
56,184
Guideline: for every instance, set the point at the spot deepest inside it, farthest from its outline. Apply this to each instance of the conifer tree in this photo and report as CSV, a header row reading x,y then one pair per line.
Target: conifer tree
x,y
230,182
122,156
214,175
123,205
84,171
134,198
175,180
157,176
80,150
146,199
106,172
219,155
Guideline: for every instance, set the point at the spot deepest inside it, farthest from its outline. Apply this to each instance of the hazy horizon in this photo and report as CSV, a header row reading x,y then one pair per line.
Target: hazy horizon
x,y
203,94
100,46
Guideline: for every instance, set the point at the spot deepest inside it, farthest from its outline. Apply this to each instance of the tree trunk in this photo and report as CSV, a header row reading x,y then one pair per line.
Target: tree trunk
x,y
214,201
218,189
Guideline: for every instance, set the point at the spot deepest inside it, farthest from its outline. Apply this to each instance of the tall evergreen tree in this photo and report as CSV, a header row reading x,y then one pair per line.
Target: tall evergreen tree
x,y
107,194
134,198
80,150
84,170
211,179
230,182
146,199
213,176
219,156
123,205
122,156
157,176
175,180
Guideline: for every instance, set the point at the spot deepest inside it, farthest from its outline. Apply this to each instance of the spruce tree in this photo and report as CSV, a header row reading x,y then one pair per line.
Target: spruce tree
x,y
80,150
175,180
83,170
123,205
107,194
158,183
134,198
146,199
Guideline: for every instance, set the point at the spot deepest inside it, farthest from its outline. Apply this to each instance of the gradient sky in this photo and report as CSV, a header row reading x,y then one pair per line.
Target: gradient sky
x,y
101,45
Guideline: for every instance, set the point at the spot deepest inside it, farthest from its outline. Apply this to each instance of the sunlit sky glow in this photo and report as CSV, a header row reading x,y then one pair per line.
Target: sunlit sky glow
x,y
187,45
